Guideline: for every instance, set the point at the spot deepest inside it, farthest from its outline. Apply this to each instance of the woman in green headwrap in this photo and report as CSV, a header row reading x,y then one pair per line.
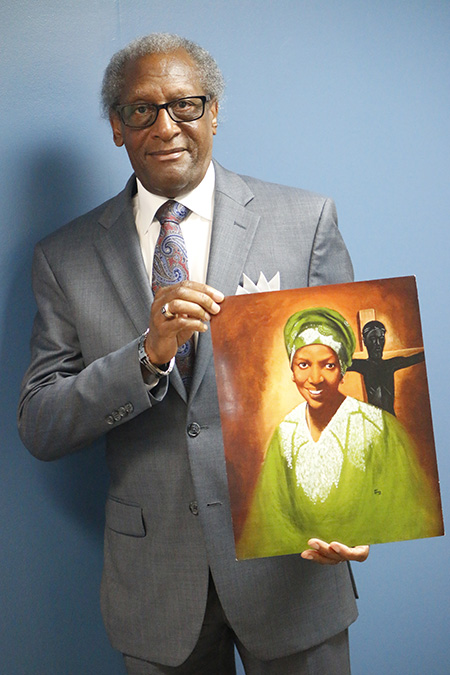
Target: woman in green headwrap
x,y
336,468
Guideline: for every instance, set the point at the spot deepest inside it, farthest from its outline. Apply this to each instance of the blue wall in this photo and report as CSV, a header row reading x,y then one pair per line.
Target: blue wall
x,y
359,103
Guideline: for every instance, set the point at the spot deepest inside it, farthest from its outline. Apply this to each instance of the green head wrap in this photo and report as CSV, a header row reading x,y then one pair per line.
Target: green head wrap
x,y
323,326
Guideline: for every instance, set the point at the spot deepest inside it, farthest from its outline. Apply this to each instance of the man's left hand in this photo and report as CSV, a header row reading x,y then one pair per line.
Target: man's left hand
x,y
334,553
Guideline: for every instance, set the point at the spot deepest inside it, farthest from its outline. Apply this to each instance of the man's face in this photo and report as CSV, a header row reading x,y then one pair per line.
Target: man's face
x,y
169,158
374,341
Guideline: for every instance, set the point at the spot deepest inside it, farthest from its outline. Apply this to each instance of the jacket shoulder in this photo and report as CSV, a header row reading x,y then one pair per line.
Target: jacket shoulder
x,y
261,191
269,189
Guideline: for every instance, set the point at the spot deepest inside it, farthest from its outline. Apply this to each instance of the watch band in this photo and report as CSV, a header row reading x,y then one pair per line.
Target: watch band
x,y
145,361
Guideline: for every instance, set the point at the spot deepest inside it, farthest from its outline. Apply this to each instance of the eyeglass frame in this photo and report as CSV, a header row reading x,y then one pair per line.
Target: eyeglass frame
x,y
164,106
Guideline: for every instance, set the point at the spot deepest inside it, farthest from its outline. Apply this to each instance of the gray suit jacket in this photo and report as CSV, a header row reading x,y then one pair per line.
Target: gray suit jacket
x,y
168,515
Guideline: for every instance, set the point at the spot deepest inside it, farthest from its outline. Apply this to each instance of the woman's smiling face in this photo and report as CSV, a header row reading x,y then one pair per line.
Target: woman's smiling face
x,y
316,372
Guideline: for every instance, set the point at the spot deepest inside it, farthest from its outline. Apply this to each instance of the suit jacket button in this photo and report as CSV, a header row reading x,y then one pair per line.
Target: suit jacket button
x,y
129,407
109,419
193,429
193,508
116,415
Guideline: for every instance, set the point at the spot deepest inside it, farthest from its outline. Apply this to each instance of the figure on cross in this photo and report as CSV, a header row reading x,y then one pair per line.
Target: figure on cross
x,y
378,373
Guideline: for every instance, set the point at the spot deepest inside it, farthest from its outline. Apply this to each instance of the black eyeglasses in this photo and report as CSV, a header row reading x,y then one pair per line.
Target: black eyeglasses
x,y
142,115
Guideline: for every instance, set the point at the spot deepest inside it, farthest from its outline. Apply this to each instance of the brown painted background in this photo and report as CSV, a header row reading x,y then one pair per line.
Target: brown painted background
x,y
254,380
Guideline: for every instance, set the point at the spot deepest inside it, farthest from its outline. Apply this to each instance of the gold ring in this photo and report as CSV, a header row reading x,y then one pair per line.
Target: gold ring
x,y
166,312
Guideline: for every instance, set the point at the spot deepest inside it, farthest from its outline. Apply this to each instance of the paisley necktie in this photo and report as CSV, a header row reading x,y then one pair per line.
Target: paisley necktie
x,y
170,266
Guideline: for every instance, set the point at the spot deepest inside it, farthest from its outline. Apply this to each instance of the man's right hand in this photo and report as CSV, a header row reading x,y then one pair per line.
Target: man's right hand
x,y
189,306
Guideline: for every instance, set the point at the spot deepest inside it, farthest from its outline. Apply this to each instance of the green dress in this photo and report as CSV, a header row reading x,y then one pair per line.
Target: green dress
x,y
360,483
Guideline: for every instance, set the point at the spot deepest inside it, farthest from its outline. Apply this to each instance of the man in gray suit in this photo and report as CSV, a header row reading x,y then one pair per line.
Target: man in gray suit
x,y
174,598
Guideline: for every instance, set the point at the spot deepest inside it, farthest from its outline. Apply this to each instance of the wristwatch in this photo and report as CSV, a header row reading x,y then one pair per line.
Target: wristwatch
x,y
145,361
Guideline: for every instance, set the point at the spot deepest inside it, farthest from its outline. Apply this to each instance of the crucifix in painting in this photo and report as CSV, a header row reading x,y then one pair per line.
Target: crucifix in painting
x,y
378,372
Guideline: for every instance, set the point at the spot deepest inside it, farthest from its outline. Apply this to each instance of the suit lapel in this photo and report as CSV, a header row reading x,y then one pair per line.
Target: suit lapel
x,y
234,227
118,247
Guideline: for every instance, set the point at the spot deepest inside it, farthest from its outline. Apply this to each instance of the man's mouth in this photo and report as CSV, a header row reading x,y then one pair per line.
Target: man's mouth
x,y
171,153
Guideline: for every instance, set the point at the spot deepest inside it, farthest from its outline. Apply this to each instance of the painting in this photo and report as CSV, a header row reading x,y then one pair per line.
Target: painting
x,y
326,417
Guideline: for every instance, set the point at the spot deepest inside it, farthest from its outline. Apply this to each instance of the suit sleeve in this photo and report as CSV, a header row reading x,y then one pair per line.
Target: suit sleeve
x,y
330,261
64,403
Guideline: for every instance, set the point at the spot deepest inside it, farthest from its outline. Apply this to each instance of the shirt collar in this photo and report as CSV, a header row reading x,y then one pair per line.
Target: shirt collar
x,y
200,200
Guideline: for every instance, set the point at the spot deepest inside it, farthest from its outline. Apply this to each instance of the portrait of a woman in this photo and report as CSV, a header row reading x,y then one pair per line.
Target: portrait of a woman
x,y
336,468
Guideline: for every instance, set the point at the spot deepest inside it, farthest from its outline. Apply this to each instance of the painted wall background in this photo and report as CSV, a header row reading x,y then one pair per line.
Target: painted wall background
x,y
349,99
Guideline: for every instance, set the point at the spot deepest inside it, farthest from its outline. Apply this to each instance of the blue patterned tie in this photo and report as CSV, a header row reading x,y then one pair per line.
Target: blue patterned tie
x,y
170,266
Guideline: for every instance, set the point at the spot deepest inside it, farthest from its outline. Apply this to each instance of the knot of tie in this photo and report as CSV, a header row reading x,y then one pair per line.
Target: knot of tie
x,y
170,262
172,211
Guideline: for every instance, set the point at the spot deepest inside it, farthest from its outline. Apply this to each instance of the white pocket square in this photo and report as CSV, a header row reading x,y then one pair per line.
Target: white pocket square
x,y
263,285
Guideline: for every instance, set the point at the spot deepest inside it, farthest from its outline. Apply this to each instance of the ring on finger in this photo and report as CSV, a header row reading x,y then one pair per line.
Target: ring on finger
x,y
165,311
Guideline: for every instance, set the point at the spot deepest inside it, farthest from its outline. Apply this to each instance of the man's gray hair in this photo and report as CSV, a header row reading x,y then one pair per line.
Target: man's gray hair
x,y
158,43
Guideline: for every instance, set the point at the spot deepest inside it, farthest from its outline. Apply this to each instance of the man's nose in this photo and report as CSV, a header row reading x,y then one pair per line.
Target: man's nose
x,y
165,127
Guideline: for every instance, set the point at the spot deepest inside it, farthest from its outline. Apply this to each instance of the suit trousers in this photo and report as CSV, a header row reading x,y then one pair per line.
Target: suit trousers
x,y
214,653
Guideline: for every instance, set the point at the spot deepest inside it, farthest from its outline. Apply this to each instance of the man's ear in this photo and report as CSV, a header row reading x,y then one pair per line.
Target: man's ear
x,y
116,126
214,113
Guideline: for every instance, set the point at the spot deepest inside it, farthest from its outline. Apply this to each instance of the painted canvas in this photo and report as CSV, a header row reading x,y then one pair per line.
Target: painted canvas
x,y
326,417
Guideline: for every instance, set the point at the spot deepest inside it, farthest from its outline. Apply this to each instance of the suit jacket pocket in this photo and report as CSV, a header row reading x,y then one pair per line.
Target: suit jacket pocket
x,y
125,518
